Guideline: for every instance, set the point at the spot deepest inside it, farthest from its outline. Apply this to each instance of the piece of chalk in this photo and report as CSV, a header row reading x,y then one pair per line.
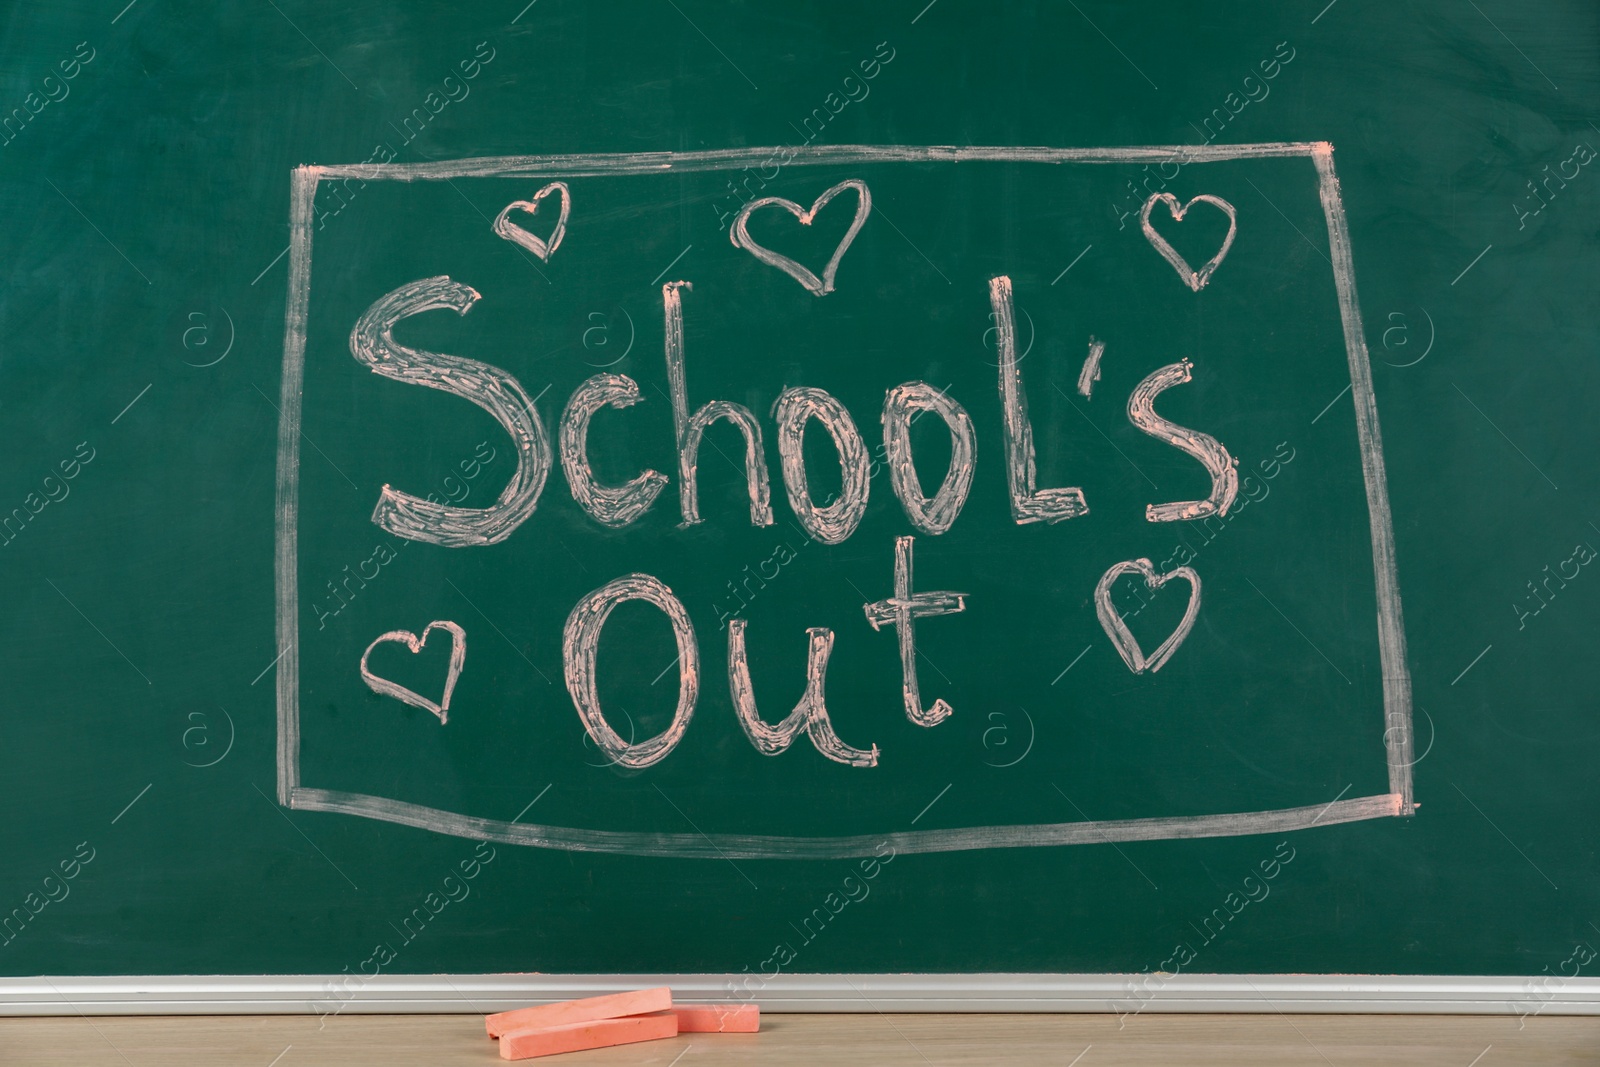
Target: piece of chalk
x,y
595,1033
610,1006
717,1018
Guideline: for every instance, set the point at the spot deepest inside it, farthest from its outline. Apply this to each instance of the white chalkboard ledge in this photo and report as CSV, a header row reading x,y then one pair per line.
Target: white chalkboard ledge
x,y
1110,993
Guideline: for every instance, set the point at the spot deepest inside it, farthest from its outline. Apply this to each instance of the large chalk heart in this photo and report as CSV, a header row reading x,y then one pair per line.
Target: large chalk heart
x,y
541,247
1117,630
819,286
458,657
1194,279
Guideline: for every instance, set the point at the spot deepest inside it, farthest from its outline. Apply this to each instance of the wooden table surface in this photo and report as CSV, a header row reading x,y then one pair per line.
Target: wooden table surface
x,y
809,1040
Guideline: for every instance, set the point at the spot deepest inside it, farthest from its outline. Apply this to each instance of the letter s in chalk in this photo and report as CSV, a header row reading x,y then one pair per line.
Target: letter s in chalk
x,y
492,389
1217,461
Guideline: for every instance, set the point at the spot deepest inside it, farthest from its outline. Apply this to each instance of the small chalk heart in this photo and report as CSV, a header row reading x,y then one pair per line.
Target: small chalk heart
x,y
458,656
544,249
1121,637
822,286
1194,279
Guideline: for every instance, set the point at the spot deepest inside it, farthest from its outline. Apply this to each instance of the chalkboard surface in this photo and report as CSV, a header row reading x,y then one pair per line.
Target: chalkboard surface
x,y
697,488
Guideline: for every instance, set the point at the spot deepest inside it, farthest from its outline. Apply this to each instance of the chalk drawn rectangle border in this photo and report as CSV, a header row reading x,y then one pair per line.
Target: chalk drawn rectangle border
x,y
1397,733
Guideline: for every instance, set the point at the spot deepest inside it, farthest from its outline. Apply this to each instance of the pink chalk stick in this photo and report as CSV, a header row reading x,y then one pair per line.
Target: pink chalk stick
x,y
610,1006
717,1018
595,1033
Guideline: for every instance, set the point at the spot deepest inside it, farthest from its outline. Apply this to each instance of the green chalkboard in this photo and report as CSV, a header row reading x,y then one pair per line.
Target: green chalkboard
x,y
616,490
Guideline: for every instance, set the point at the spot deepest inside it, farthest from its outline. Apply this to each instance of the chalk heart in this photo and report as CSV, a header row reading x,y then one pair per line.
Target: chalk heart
x,y
822,286
541,247
458,657
1194,279
1121,638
